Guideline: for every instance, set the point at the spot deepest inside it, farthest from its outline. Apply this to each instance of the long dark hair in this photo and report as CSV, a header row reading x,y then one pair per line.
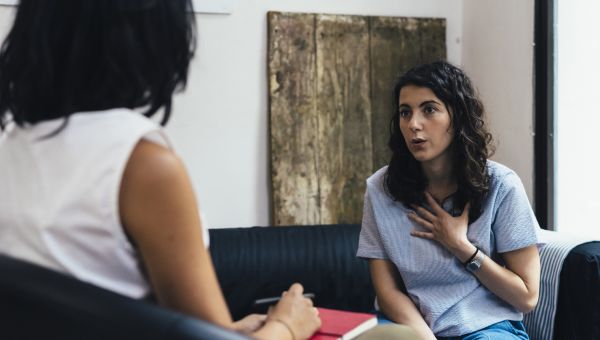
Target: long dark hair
x,y
67,56
471,146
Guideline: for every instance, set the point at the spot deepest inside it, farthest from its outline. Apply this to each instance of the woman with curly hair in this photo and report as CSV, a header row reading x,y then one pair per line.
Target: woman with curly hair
x,y
450,235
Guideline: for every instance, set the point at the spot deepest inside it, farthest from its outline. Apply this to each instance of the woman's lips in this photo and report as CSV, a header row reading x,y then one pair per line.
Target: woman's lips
x,y
418,143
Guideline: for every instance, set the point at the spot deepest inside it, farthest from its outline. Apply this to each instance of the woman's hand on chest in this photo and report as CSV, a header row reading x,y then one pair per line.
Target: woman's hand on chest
x,y
449,231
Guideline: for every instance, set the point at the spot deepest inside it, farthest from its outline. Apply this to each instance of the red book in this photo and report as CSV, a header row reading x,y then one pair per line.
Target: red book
x,y
339,324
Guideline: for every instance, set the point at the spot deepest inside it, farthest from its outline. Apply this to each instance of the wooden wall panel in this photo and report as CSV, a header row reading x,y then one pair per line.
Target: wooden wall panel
x,y
293,119
397,44
330,102
344,115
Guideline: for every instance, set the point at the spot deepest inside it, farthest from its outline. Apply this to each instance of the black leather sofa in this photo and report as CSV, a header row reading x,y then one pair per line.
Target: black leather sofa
x,y
251,263
260,262
578,311
37,303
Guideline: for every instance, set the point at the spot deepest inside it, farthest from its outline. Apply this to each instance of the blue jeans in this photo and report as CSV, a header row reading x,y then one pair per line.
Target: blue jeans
x,y
503,330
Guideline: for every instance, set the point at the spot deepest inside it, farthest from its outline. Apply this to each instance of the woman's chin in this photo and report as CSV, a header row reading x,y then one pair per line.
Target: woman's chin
x,y
420,156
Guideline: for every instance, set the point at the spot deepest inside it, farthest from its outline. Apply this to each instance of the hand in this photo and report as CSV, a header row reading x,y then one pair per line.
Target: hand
x,y
297,312
250,323
442,227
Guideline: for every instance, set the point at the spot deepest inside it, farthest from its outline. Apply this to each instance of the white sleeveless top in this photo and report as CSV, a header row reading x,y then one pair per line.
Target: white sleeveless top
x,y
59,204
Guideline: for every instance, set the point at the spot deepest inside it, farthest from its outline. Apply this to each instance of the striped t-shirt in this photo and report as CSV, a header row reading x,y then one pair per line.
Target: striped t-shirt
x,y
452,301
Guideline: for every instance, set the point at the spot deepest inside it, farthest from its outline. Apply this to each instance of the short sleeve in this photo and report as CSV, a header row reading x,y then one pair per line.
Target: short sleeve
x,y
205,233
515,225
369,242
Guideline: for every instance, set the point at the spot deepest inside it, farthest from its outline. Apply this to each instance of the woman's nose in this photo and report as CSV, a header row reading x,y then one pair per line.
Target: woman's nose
x,y
415,123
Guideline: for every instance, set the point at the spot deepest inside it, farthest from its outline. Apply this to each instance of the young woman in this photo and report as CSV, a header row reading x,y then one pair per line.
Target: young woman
x,y
450,235
92,188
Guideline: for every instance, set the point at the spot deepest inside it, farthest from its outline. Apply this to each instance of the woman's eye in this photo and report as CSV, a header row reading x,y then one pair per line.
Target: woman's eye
x,y
404,113
429,109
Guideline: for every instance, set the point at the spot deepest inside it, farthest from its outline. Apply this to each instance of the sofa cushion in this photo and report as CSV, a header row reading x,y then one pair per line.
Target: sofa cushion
x,y
261,262
578,306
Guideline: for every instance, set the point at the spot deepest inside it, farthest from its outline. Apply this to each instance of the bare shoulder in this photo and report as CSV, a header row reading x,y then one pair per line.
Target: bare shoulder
x,y
153,162
155,188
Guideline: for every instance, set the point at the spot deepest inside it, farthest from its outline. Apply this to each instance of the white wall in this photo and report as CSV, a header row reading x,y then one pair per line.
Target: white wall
x,y
220,123
498,56
220,126
6,14
577,121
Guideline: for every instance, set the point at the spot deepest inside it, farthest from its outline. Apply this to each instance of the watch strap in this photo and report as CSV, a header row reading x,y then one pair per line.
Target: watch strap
x,y
476,262
472,257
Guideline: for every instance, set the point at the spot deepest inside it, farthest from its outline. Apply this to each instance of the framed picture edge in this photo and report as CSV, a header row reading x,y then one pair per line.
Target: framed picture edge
x,y
200,6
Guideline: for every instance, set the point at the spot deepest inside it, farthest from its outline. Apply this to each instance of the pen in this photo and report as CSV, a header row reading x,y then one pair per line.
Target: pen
x,y
275,299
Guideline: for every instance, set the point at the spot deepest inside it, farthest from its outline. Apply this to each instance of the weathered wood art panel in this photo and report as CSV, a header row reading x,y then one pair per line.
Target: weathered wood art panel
x,y
397,44
294,129
330,79
343,112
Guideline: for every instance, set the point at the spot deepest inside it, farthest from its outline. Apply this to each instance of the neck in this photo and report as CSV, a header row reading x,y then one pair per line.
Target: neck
x,y
441,181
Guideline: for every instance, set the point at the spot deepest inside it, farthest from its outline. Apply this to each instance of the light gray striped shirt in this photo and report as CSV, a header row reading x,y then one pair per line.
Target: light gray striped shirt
x,y
452,301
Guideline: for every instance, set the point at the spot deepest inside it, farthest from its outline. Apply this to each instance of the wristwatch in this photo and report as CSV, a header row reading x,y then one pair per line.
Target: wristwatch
x,y
475,262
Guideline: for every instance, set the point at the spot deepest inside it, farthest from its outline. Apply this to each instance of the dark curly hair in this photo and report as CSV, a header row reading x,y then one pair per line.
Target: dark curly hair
x,y
68,56
471,145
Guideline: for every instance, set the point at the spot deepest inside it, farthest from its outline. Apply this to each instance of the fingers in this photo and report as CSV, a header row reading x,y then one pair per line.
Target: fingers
x,y
297,311
261,317
421,221
465,212
422,234
318,319
296,289
424,212
434,205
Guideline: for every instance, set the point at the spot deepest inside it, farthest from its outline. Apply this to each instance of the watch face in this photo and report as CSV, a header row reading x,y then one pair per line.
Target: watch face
x,y
473,265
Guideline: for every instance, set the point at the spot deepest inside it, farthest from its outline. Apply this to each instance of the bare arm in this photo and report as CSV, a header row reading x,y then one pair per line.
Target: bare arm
x,y
517,284
393,302
159,211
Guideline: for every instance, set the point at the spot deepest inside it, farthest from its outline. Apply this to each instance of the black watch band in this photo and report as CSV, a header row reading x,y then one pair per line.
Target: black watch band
x,y
472,257
475,263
